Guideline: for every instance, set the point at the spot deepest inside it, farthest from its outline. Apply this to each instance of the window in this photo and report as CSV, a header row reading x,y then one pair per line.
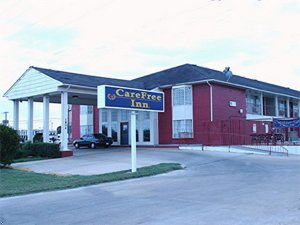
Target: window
x,y
146,127
253,104
114,132
282,108
104,129
137,135
124,115
145,115
114,115
86,129
146,134
104,119
296,111
86,109
182,129
104,115
89,109
266,128
182,95
254,129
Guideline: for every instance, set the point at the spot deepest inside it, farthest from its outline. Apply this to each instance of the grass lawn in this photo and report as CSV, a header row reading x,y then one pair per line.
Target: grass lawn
x,y
16,182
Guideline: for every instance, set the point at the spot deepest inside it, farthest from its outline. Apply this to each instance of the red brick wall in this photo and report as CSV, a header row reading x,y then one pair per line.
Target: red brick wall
x,y
75,122
230,132
201,112
201,104
229,126
222,95
96,119
165,120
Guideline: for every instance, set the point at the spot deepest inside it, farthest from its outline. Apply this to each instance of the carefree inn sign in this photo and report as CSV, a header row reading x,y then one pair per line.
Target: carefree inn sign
x,y
130,99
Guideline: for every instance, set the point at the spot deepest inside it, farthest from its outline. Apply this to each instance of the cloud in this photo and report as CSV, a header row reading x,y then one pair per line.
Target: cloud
x,y
126,39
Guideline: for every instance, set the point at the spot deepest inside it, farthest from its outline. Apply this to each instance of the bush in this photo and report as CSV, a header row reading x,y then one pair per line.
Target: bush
x,y
38,138
9,144
46,150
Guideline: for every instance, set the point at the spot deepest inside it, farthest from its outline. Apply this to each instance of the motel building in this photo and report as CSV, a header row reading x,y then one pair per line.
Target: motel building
x,y
200,106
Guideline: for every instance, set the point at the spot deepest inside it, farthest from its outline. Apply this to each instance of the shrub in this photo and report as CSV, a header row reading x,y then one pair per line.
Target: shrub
x,y
9,144
24,150
46,150
38,138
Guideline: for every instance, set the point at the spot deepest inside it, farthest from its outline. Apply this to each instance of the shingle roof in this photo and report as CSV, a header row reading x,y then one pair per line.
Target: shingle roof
x,y
191,73
86,80
177,75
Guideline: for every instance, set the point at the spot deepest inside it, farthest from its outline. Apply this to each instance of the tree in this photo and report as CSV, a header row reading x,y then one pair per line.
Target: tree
x,y
58,129
9,144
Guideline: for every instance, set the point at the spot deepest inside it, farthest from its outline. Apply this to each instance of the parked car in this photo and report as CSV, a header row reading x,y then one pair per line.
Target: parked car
x,y
93,140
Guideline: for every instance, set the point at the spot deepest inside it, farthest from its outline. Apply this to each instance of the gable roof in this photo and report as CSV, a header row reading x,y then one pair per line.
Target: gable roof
x,y
182,74
189,73
70,78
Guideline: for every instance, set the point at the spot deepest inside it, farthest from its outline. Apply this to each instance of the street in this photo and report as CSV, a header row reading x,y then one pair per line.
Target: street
x,y
214,188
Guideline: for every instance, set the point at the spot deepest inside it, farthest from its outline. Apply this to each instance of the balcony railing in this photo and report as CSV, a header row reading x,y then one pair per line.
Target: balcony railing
x,y
253,109
268,110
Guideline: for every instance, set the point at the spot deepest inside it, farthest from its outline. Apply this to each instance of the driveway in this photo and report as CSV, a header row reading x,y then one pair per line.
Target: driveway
x,y
214,189
96,161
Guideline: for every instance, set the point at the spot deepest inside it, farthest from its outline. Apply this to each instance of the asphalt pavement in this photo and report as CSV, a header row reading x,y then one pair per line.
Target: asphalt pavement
x,y
214,189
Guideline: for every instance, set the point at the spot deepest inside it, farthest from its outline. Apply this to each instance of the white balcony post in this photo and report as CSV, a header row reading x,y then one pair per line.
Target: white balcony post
x,y
298,108
64,121
261,104
30,119
287,108
45,118
16,115
109,133
276,106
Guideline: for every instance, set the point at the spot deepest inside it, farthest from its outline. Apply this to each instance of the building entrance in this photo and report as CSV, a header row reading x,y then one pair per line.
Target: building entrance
x,y
124,133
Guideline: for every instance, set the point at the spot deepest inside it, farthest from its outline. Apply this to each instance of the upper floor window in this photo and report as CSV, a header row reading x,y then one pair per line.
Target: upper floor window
x,y
282,107
294,109
253,104
182,95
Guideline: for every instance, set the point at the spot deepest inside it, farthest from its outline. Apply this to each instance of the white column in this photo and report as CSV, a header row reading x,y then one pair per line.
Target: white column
x,y
276,106
287,108
133,141
261,104
109,134
30,119
16,115
64,121
46,118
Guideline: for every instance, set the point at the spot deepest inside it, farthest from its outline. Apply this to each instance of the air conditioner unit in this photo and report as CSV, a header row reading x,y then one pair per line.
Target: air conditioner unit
x,y
232,103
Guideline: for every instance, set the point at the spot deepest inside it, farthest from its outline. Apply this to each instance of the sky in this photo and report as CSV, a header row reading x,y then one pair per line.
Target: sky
x,y
258,39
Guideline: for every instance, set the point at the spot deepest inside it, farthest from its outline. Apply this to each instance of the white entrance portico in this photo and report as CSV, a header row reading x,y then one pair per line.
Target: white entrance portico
x,y
49,86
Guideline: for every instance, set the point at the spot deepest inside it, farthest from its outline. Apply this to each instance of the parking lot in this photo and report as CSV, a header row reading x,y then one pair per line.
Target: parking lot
x,y
214,188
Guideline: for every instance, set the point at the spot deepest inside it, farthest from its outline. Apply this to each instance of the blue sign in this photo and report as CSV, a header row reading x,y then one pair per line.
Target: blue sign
x,y
128,98
286,123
